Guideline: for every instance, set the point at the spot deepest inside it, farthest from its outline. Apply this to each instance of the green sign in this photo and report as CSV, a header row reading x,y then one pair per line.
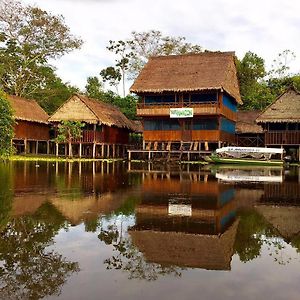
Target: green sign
x,y
181,112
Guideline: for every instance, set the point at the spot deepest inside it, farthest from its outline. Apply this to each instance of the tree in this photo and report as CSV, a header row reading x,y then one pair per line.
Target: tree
x,y
69,131
30,37
94,88
153,43
6,126
112,76
255,92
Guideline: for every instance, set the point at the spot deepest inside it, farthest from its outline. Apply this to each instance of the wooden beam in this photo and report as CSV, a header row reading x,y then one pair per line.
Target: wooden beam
x,y
94,150
56,149
80,150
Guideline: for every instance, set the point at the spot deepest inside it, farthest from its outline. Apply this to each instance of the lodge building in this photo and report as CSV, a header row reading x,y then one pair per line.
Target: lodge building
x,y
281,122
31,129
189,98
106,129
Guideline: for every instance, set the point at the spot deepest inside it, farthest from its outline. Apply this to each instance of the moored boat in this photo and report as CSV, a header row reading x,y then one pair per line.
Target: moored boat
x,y
249,156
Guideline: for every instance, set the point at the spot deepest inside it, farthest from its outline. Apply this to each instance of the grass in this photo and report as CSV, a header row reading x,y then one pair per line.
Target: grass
x,y
56,159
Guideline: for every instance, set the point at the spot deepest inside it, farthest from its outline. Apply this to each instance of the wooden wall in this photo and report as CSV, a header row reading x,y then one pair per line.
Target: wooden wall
x,y
31,131
115,135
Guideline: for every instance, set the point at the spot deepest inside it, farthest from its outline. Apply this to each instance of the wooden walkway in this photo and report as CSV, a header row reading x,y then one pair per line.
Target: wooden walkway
x,y
179,155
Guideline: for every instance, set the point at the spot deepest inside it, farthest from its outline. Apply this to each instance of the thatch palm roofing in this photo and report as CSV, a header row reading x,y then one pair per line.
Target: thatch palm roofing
x,y
286,108
27,110
189,73
246,122
85,109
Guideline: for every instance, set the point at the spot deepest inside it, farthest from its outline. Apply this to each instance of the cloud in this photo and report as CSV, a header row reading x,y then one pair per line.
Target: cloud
x,y
264,27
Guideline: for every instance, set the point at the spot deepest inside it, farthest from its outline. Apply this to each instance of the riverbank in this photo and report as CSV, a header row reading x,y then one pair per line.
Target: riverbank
x,y
55,159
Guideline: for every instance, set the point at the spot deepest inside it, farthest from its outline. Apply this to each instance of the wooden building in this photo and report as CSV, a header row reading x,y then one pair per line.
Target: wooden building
x,y
188,98
248,132
106,131
281,121
31,131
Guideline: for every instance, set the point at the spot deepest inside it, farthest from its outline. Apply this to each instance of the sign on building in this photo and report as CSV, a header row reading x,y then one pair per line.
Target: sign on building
x,y
183,112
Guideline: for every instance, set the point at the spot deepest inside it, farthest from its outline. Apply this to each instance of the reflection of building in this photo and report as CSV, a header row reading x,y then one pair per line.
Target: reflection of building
x,y
186,223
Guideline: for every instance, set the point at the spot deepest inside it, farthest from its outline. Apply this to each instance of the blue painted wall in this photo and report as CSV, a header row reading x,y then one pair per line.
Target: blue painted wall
x,y
227,125
229,102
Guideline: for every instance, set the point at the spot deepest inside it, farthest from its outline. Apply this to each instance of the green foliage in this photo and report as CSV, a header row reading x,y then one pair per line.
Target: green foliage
x,y
94,87
68,131
111,75
6,126
153,43
30,38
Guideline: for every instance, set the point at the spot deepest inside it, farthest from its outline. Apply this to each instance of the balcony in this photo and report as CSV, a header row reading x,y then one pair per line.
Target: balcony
x,y
163,109
282,137
90,136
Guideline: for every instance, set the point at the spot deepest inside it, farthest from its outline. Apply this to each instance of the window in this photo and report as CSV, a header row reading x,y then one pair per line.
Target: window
x,y
205,124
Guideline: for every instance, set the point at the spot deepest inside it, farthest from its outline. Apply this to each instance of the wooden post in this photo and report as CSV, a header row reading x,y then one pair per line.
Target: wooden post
x,y
66,150
108,151
94,150
206,146
129,155
37,147
56,149
70,149
299,156
143,144
114,150
48,147
149,155
102,150
281,153
188,155
80,150
219,144
25,146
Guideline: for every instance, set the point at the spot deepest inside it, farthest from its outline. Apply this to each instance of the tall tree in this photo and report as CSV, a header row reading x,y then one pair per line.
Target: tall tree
x,y
30,37
153,43
6,126
94,87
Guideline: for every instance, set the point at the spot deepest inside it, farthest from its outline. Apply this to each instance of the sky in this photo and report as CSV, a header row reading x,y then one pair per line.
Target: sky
x,y
265,27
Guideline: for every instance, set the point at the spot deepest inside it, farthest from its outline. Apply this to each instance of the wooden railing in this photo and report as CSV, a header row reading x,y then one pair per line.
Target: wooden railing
x,y
163,109
90,136
282,137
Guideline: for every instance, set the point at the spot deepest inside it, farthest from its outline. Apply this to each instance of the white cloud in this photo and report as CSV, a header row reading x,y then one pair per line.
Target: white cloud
x,y
264,27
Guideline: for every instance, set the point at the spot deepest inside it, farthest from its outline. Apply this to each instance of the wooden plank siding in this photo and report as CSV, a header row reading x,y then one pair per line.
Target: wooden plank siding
x,y
282,137
31,131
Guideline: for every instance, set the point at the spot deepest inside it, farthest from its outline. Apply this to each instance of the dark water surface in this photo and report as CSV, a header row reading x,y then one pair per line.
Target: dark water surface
x,y
113,231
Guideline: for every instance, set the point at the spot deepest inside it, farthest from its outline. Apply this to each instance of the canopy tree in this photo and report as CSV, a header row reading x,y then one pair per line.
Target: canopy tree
x,y
6,126
30,37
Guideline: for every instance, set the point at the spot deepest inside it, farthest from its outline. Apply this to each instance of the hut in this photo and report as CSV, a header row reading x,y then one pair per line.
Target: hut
x,y
106,129
189,98
31,131
248,132
281,122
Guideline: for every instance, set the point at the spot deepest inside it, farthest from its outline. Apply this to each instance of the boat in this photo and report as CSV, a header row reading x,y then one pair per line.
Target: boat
x,y
249,156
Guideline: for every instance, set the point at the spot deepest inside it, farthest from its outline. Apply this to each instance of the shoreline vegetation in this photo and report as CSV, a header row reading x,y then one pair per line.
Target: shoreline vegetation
x,y
47,158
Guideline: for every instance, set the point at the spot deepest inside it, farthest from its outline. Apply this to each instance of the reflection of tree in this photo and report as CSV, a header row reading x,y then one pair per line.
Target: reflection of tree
x,y
6,193
28,269
129,259
254,232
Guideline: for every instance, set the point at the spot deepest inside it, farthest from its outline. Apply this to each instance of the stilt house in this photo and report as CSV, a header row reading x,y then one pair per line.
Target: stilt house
x,y
188,98
31,131
248,132
106,130
281,121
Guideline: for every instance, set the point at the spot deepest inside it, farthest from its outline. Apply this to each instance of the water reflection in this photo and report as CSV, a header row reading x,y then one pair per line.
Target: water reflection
x,y
142,224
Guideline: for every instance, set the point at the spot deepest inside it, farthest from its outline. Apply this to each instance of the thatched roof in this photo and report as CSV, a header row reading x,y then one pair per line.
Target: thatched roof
x,y
81,108
211,252
27,110
189,73
246,122
138,126
286,108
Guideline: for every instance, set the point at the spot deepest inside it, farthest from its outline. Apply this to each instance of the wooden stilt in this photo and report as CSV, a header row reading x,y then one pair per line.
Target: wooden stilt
x,y
66,150
48,147
56,149
108,151
129,155
70,150
80,150
102,150
94,150
37,147
25,146
114,150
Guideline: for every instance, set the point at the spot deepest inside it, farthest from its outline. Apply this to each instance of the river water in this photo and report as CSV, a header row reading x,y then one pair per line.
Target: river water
x,y
118,231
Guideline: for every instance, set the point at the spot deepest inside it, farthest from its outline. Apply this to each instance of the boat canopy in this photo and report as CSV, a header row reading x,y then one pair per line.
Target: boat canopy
x,y
250,150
